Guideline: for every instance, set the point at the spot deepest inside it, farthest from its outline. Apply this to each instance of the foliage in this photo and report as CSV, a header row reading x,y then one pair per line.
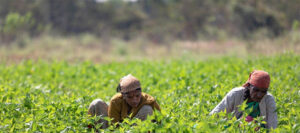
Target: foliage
x,y
54,96
16,25
158,20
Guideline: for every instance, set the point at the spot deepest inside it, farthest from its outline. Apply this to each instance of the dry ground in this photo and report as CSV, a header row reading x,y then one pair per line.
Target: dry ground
x,y
90,48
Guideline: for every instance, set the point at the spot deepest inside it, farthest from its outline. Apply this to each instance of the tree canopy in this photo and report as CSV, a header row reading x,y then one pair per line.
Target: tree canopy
x,y
152,19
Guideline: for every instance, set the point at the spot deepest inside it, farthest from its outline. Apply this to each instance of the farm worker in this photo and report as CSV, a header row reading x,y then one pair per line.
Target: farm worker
x,y
129,102
254,91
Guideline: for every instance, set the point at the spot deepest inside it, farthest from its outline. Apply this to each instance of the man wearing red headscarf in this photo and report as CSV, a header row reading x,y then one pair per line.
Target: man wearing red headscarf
x,y
255,92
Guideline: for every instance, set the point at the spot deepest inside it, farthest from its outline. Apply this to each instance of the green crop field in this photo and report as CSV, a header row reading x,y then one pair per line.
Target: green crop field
x,y
40,96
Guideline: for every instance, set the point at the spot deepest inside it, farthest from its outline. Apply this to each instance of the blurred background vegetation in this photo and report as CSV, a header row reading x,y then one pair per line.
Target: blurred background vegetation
x,y
103,24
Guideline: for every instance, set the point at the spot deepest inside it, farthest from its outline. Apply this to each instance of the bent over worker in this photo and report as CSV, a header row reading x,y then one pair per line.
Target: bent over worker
x,y
255,92
129,102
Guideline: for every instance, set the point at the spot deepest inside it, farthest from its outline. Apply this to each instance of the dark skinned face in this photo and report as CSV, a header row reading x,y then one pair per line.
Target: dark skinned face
x,y
133,98
256,94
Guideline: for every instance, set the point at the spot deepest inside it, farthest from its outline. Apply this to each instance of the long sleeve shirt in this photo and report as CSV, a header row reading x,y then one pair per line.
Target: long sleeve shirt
x,y
118,108
235,98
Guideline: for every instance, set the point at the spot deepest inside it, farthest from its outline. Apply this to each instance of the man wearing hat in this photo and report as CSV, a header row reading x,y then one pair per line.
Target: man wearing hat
x,y
254,91
130,101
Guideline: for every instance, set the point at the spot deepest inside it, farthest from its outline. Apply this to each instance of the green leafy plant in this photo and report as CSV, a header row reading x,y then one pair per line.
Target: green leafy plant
x,y
54,96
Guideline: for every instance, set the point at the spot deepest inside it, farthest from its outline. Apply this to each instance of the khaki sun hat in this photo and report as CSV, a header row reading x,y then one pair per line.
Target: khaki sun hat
x,y
129,83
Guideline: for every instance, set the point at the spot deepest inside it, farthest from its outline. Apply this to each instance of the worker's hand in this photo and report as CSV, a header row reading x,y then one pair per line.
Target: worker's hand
x,y
90,126
249,118
257,128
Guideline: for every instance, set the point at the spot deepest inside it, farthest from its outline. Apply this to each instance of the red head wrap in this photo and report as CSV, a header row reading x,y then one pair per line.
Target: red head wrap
x,y
258,78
